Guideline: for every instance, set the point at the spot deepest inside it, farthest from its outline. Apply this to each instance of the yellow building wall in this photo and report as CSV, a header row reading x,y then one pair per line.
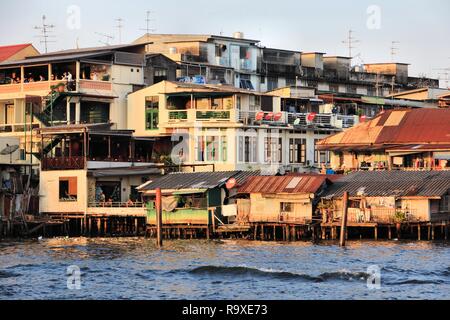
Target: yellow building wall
x,y
49,192
267,209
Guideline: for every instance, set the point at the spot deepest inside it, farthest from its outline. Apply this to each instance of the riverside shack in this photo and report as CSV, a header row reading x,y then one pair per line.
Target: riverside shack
x,y
192,200
390,198
280,199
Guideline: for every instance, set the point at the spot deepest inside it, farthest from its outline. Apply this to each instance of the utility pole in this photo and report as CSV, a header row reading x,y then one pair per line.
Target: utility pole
x,y
351,41
45,30
119,27
394,49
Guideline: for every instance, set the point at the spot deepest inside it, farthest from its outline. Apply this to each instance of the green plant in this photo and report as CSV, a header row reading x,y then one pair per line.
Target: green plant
x,y
400,216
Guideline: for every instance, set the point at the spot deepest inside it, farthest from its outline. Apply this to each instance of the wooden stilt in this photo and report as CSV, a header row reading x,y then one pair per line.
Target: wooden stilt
x,y
344,234
255,232
375,233
432,232
429,232
274,233
418,232
262,232
389,233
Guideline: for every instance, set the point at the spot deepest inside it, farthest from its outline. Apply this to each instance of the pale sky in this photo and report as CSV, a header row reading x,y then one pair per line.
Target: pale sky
x,y
421,26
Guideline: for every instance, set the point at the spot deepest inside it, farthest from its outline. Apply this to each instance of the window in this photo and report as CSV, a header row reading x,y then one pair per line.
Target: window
x,y
286,207
272,83
273,150
320,157
248,150
297,151
444,205
334,87
151,113
68,189
211,148
244,53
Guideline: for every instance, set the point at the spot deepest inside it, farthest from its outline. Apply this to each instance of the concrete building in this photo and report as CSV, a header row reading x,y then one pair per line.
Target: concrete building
x,y
236,129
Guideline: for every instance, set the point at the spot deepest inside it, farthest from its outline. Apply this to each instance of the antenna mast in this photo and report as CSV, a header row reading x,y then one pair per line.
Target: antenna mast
x,y
148,20
119,27
45,30
108,38
350,42
394,49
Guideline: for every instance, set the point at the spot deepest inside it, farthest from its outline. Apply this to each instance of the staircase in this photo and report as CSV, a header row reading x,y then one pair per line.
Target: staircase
x,y
49,103
48,148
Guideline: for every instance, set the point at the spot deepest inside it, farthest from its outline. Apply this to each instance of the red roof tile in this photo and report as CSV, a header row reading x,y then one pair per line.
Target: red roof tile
x,y
8,51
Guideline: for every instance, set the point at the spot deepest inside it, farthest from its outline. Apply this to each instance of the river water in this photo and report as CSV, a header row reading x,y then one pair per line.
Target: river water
x,y
133,268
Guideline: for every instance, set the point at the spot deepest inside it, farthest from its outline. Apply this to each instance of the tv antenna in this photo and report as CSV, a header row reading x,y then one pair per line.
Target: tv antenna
x,y
394,49
107,40
119,27
148,21
45,30
445,73
351,41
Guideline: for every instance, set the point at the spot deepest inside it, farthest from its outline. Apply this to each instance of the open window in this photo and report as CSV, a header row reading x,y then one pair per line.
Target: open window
x,y
68,189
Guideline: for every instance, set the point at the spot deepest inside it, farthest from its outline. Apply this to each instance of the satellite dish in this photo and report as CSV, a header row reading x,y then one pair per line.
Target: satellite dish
x,y
9,150
297,122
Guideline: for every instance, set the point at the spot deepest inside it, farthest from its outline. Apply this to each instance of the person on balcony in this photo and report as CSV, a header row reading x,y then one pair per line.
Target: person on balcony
x,y
70,82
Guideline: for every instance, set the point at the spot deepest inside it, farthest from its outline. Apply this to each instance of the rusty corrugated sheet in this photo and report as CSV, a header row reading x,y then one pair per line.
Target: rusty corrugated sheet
x,y
396,127
392,184
283,184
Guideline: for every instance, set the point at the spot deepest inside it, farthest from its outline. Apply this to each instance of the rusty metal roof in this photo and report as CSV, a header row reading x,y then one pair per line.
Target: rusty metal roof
x,y
283,184
391,184
395,127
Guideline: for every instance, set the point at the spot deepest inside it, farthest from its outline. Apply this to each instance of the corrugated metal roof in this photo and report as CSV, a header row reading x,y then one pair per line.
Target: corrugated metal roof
x,y
396,127
392,183
283,184
193,180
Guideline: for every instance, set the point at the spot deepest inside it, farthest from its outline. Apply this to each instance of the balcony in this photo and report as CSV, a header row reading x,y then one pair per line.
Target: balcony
x,y
192,115
187,216
63,163
297,119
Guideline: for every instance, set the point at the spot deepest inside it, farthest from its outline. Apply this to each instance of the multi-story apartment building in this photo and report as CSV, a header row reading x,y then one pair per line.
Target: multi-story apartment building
x,y
235,129
245,64
81,86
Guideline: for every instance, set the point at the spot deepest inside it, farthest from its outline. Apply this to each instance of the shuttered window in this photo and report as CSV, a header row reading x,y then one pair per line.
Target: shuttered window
x,y
68,189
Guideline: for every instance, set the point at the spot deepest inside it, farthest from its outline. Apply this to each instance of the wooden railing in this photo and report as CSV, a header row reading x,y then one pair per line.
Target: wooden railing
x,y
63,163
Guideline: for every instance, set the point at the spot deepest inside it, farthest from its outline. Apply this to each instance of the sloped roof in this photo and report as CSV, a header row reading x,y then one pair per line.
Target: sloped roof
x,y
391,184
283,184
395,127
192,180
8,51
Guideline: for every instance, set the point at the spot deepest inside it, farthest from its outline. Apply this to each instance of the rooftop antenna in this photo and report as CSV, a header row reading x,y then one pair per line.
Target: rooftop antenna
x,y
108,38
45,30
350,42
119,27
394,49
148,20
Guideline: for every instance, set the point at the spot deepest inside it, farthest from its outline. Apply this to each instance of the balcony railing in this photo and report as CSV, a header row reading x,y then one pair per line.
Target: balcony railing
x,y
213,115
298,119
175,116
63,163
378,215
45,86
106,204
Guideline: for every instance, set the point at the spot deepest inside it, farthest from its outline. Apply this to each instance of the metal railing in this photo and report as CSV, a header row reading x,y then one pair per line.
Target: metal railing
x,y
108,204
